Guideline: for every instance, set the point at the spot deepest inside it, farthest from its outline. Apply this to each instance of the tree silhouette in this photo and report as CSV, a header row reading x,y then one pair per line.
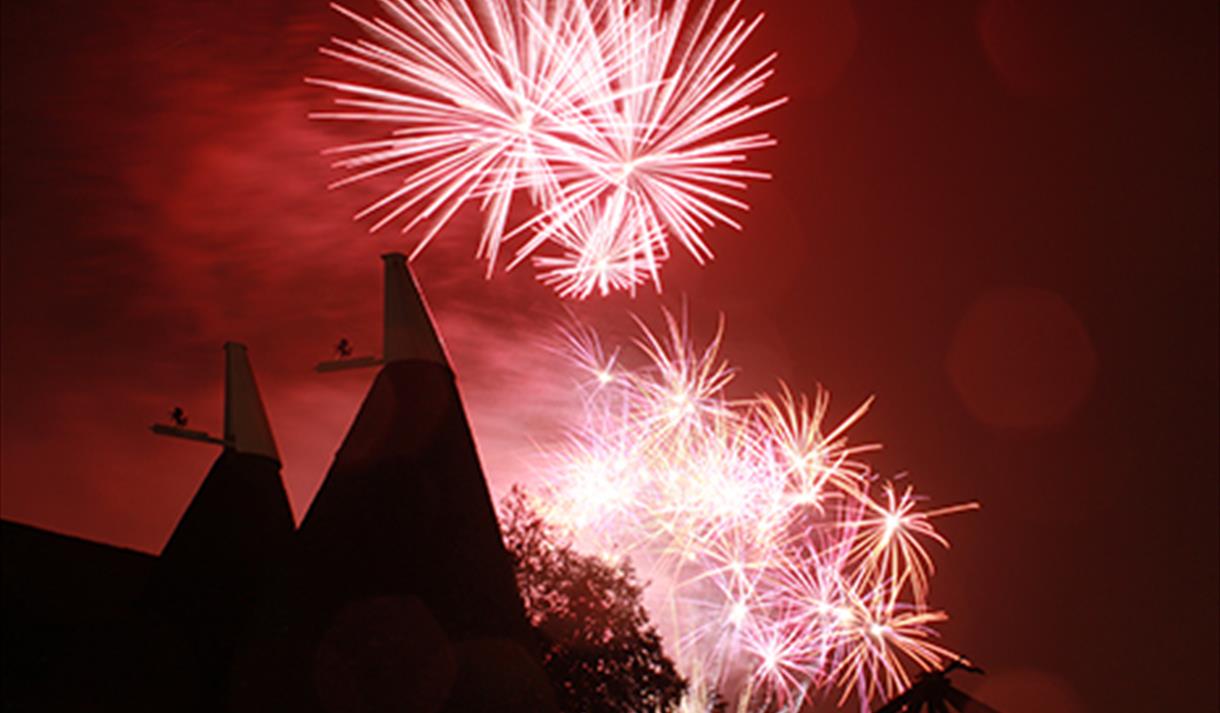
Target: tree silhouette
x,y
600,650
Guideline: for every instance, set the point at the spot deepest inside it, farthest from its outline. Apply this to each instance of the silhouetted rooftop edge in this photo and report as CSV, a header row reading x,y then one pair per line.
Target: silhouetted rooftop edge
x,y
409,328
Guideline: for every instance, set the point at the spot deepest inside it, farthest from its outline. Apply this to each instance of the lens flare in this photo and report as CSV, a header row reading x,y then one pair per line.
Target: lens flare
x,y
783,567
617,120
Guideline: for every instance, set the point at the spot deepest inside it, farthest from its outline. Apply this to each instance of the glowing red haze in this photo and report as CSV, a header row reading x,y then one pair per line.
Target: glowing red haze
x,y
1020,262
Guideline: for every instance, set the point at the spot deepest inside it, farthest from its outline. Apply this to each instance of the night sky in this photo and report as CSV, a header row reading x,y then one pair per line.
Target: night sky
x,y
1000,218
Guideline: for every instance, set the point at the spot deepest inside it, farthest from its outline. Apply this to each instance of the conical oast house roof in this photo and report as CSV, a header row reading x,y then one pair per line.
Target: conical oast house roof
x,y
246,424
240,514
396,593
408,332
406,598
239,524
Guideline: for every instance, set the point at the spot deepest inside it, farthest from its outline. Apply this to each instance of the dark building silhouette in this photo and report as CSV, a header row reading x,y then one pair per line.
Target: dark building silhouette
x,y
394,594
933,692
203,589
59,596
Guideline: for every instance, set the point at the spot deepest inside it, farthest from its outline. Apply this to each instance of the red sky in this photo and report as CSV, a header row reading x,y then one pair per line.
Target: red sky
x,y
1000,217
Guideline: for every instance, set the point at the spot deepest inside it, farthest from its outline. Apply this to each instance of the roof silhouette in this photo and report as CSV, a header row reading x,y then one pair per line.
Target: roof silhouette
x,y
933,692
205,587
409,331
402,536
394,594
246,424
58,593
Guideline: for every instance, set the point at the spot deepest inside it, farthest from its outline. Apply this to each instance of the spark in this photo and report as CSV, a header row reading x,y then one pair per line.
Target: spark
x,y
785,566
886,544
873,643
618,121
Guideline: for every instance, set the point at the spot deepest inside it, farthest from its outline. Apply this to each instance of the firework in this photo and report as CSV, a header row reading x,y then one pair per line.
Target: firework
x,y
616,120
598,252
785,566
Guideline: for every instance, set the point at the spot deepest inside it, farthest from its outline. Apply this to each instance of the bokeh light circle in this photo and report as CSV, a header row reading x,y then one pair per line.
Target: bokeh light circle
x,y
1021,358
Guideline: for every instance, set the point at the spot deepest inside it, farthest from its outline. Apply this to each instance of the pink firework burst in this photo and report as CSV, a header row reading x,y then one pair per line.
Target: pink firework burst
x,y
782,565
617,119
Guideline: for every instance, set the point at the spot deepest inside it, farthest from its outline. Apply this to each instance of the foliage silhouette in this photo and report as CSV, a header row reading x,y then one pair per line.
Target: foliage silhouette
x,y
600,650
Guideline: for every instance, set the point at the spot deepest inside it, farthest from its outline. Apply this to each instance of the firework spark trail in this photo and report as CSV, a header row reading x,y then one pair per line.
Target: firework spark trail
x,y
616,119
786,567
602,251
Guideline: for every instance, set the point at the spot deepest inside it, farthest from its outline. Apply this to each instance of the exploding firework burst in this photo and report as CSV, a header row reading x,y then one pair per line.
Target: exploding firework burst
x,y
615,119
786,566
